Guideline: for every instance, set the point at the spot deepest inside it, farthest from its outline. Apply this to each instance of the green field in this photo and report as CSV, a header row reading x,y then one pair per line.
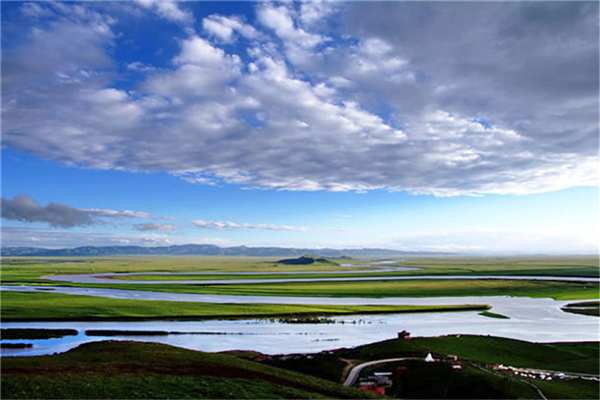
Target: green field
x,y
407,288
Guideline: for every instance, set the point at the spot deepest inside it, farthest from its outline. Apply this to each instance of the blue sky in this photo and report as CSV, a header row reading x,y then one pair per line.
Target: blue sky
x,y
420,126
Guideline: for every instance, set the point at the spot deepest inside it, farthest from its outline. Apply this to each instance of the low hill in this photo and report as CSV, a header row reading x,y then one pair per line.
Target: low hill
x,y
133,370
306,260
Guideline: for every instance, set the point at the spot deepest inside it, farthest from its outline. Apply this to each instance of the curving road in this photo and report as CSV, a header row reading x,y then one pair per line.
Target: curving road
x,y
357,369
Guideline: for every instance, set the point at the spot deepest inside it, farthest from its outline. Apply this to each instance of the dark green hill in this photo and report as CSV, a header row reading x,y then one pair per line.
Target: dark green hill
x,y
133,370
306,260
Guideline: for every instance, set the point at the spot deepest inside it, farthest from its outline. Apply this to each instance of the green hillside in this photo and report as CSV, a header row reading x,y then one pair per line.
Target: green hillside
x,y
132,370
477,379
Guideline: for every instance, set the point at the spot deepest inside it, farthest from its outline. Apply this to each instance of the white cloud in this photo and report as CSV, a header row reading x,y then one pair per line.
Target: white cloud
x,y
117,214
202,71
225,28
229,225
280,21
171,11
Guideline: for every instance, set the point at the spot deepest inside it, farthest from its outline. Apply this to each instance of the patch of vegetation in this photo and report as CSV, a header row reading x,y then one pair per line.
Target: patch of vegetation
x,y
306,320
131,370
583,308
573,389
421,380
16,345
592,304
493,315
36,333
403,288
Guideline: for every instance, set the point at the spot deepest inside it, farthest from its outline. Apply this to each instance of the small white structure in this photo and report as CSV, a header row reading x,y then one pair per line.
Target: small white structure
x,y
429,358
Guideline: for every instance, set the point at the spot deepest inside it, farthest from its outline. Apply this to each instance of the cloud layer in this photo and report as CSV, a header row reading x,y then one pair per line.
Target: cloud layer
x,y
445,99
24,208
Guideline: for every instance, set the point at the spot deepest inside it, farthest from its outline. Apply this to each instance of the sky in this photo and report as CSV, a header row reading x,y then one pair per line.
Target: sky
x,y
467,127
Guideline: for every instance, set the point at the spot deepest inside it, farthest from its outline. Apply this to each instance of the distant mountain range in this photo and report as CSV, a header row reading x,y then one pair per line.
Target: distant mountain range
x,y
201,250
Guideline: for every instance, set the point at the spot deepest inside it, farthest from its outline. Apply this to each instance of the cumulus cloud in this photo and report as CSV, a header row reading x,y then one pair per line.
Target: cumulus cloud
x,y
444,99
229,225
24,208
226,28
170,11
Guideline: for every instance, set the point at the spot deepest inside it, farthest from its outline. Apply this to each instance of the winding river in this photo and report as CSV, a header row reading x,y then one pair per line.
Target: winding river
x,y
536,320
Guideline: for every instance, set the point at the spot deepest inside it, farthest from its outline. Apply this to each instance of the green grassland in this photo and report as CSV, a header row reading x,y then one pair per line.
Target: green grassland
x,y
31,271
43,306
130,370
